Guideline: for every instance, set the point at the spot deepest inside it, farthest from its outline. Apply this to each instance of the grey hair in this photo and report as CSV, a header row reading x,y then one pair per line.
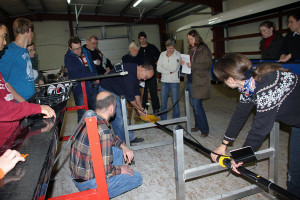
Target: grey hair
x,y
171,42
147,66
134,44
92,36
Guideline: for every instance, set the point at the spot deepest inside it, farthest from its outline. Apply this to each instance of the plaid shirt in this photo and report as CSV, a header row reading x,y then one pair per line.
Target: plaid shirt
x,y
81,163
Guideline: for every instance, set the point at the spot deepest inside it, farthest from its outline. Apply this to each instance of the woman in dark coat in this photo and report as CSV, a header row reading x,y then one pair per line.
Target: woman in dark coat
x,y
198,81
271,43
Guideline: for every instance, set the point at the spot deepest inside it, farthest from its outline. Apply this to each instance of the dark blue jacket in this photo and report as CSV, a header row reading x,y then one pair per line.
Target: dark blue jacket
x,y
76,70
130,59
123,85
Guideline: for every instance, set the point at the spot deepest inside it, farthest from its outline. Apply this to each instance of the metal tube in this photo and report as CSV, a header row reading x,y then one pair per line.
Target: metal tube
x,y
266,183
86,78
245,172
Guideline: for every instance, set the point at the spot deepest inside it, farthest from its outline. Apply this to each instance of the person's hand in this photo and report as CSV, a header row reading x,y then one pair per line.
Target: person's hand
x,y
41,82
181,62
221,150
189,65
98,62
9,160
282,56
234,166
126,170
48,111
127,153
142,113
97,81
285,58
288,57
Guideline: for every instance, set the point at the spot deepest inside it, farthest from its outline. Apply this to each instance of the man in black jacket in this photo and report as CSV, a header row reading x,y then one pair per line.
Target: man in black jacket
x,y
290,49
150,53
128,86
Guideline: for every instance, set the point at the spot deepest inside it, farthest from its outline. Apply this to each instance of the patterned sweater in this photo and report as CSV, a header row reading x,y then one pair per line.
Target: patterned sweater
x,y
276,98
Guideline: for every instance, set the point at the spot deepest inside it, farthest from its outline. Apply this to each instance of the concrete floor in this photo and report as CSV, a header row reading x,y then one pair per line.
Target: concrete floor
x,y
157,164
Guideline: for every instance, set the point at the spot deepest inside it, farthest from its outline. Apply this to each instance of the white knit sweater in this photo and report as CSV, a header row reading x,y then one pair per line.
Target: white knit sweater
x,y
169,67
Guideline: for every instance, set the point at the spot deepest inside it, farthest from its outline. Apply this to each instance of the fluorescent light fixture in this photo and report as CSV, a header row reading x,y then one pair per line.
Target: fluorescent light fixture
x,y
69,1
137,3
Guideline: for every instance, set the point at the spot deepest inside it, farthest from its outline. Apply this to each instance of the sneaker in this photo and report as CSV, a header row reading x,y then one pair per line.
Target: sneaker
x,y
136,140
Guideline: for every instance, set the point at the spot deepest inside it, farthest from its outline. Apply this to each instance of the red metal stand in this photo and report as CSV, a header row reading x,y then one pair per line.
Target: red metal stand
x,y
85,106
101,191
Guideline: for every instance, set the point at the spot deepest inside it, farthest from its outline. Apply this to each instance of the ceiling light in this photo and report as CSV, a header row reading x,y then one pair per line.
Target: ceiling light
x,y
137,3
69,1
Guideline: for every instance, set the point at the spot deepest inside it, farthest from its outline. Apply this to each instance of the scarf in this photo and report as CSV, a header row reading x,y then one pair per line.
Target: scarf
x,y
248,88
193,51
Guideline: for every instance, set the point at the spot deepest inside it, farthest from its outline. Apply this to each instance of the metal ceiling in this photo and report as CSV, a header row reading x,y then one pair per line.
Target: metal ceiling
x,y
157,9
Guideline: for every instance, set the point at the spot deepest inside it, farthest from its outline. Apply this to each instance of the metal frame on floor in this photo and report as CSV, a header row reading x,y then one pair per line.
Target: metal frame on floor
x,y
186,119
181,175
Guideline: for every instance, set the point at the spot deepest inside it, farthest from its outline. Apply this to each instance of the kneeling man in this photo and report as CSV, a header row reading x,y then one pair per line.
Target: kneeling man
x,y
120,178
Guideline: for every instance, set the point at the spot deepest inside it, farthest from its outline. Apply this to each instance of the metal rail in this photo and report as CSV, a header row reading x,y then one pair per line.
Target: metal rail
x,y
185,119
86,78
182,175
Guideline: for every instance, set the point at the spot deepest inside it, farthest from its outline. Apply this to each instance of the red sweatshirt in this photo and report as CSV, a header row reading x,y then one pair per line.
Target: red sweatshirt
x,y
10,115
5,94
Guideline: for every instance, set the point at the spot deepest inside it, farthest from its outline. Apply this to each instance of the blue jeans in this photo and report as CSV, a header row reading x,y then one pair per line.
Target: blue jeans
x,y
294,163
165,88
117,184
117,122
91,98
199,112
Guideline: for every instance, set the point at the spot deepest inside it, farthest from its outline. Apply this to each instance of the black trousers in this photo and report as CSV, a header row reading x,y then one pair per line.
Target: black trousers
x,y
151,84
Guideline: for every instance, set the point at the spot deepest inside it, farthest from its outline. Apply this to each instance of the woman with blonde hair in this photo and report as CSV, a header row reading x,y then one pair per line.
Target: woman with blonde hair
x,y
133,57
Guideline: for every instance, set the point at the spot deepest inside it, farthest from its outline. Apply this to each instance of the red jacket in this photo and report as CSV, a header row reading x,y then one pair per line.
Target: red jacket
x,y
10,115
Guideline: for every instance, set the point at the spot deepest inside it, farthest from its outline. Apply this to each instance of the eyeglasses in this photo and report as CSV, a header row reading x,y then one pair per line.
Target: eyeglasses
x,y
76,49
32,50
